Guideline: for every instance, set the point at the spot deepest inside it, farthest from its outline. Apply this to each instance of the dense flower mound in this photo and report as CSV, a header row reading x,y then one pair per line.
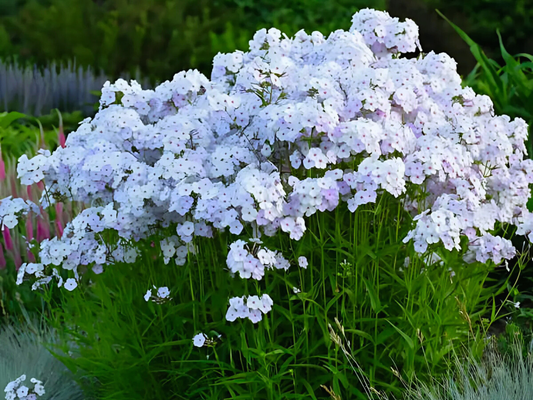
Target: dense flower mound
x,y
292,127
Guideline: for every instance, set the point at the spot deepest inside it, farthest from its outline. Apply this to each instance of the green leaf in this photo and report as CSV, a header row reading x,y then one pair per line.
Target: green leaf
x,y
7,119
360,333
514,68
374,299
407,338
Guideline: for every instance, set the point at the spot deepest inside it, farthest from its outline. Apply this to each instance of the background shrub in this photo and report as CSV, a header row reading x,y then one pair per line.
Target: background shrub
x,y
163,37
160,37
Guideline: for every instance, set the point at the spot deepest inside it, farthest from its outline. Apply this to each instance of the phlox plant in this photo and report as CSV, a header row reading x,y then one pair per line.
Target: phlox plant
x,y
310,178
17,389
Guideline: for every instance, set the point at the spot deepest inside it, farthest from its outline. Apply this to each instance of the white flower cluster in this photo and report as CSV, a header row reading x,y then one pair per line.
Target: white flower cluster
x,y
252,264
12,209
16,390
251,307
162,295
33,170
37,269
171,247
293,127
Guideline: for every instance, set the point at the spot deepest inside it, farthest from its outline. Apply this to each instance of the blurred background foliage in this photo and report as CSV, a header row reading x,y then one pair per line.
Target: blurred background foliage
x,y
151,40
161,37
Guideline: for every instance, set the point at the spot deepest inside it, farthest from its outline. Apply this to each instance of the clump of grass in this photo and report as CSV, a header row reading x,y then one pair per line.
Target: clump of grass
x,y
497,376
24,349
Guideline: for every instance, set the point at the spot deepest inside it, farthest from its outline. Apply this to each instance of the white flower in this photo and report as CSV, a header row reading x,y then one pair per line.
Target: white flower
x,y
148,295
163,292
236,302
98,269
38,388
10,386
266,303
253,302
22,391
20,274
70,284
232,314
302,262
199,340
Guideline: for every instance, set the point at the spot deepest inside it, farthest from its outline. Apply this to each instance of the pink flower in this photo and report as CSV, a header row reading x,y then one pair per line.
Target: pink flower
x,y
43,230
2,168
3,262
7,239
29,228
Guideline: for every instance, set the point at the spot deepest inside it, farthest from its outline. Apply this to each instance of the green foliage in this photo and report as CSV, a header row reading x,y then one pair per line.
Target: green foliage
x,y
50,122
19,136
479,17
161,37
411,318
15,299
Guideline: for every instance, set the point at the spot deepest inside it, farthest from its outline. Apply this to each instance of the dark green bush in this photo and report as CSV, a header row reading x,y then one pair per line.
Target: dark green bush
x,y
161,37
481,19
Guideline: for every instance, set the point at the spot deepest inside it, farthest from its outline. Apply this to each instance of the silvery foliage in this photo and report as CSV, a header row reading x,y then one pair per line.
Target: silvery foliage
x,y
494,377
24,353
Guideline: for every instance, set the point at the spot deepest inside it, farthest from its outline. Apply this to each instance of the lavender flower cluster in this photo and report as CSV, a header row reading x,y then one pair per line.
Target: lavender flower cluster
x,y
201,154
17,390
